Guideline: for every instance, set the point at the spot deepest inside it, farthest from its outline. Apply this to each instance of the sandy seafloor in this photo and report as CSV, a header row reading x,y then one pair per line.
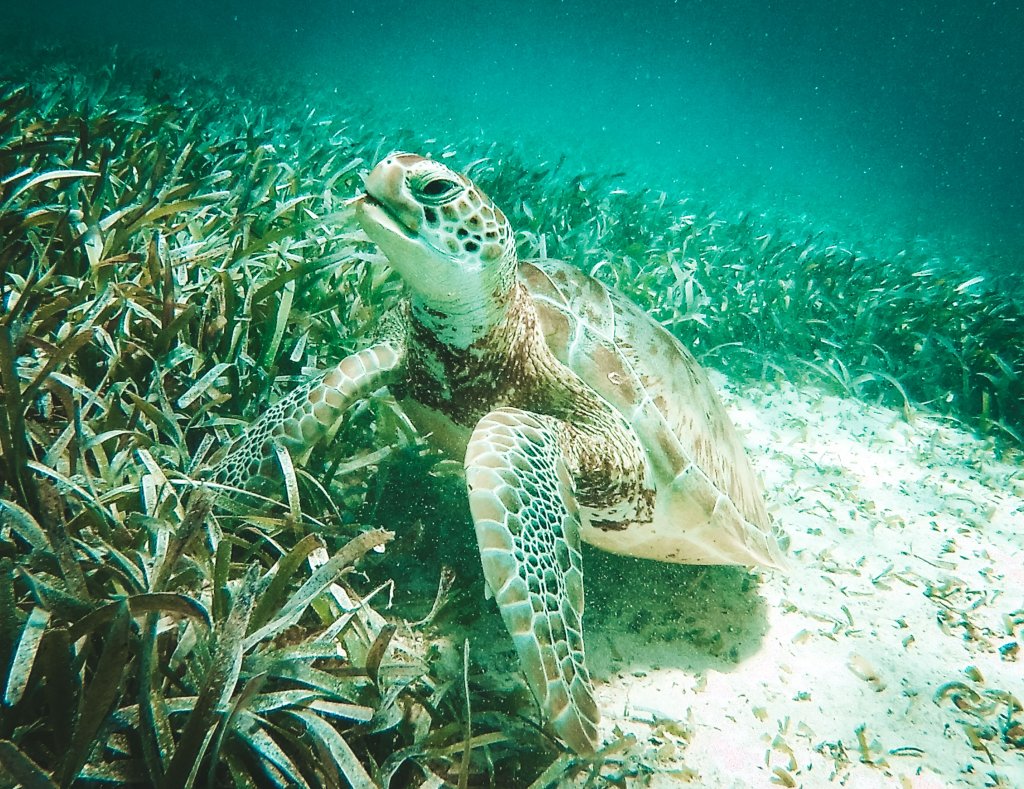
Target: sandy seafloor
x,y
876,659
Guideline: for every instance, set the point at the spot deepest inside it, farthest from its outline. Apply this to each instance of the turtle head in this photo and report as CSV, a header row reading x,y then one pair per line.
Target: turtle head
x,y
453,247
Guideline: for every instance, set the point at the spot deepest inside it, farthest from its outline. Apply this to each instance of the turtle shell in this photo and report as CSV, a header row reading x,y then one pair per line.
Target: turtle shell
x,y
709,506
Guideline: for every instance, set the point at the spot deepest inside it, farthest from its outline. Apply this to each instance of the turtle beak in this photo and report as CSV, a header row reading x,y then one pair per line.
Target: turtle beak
x,y
379,222
389,214
386,186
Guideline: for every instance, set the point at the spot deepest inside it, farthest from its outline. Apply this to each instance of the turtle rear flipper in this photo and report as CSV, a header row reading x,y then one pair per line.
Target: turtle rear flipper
x,y
527,526
713,531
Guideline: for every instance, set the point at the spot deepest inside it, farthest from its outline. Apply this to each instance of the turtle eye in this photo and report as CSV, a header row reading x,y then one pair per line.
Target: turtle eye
x,y
438,187
438,190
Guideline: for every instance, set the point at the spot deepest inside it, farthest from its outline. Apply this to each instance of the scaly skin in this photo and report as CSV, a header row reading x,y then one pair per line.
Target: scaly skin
x,y
304,417
527,527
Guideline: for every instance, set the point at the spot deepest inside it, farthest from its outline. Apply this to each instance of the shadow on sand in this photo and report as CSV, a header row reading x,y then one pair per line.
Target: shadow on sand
x,y
640,614
649,615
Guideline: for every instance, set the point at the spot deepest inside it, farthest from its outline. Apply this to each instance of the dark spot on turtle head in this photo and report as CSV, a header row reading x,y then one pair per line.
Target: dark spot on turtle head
x,y
472,246
430,215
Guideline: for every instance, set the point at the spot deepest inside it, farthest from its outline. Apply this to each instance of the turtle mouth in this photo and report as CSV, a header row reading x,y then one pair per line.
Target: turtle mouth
x,y
370,209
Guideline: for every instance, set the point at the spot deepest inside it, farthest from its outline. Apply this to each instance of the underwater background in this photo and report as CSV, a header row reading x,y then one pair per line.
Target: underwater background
x,y
881,120
825,204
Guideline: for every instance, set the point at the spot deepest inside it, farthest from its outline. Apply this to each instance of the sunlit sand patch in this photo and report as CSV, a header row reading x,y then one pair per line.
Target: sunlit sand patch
x,y
890,653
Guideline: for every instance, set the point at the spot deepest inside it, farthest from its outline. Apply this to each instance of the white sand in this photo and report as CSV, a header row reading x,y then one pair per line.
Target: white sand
x,y
907,541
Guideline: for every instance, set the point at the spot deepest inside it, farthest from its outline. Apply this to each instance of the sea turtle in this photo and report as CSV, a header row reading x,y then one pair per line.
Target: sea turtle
x,y
578,418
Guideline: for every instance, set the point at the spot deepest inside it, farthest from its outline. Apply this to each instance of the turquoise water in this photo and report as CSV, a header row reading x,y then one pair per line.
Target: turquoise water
x,y
838,188
880,121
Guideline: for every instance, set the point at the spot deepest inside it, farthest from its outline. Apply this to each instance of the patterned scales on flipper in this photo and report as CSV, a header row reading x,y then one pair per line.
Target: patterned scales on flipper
x,y
527,526
303,417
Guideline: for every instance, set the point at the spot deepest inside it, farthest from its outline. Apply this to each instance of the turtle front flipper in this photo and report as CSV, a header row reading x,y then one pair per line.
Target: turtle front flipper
x,y
303,417
527,526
